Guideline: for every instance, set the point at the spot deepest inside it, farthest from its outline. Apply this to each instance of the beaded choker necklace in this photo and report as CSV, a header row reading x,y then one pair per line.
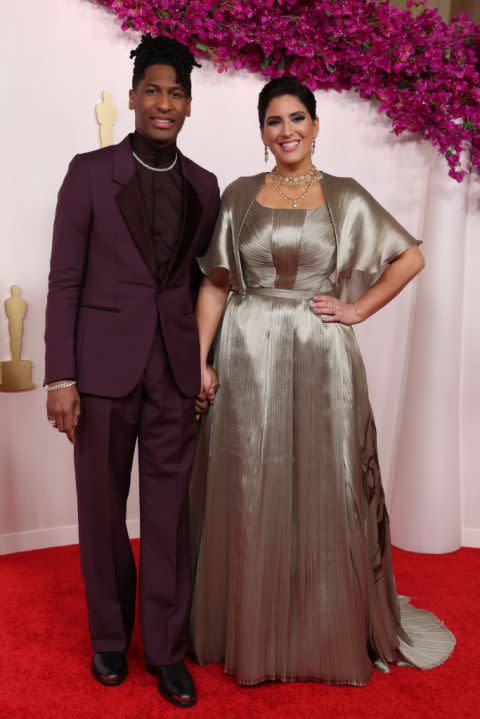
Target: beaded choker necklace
x,y
294,181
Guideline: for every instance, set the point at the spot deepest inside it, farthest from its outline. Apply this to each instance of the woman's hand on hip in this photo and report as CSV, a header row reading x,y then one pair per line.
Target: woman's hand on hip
x,y
334,310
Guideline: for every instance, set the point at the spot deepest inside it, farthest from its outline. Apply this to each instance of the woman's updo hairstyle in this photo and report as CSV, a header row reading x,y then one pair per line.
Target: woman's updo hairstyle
x,y
287,85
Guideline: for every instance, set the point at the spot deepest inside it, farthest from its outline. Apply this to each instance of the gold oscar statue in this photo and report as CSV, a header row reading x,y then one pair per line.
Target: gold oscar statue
x,y
106,113
16,373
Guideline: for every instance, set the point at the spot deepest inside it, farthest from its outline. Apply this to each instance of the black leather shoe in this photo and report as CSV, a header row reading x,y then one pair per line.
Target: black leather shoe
x,y
109,668
175,684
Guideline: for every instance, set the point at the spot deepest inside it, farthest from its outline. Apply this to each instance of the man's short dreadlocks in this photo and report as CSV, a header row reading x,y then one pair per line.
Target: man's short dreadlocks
x,y
163,51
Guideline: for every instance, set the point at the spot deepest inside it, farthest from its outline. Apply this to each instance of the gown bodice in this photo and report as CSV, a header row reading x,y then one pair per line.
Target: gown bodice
x,y
288,249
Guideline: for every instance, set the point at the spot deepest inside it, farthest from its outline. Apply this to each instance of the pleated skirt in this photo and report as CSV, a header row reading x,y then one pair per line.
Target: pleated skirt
x,y
290,532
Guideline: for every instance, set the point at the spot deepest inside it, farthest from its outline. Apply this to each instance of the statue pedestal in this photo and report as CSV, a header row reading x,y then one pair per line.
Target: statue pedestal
x,y
16,376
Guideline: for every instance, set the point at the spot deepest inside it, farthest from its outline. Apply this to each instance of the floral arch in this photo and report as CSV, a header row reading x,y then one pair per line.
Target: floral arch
x,y
423,73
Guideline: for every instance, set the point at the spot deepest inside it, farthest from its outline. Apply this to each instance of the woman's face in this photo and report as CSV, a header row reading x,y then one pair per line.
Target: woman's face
x,y
288,131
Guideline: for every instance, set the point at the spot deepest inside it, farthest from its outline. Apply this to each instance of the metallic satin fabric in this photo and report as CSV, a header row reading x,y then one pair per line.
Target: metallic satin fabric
x,y
289,527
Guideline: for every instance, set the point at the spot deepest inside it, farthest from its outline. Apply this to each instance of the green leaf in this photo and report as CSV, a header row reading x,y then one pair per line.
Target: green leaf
x,y
266,62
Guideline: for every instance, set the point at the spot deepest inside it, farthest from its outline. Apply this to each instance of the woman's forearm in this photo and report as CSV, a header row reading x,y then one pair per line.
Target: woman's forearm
x,y
211,302
393,280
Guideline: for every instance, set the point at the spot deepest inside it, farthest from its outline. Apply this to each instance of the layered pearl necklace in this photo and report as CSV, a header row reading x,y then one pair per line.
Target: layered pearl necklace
x,y
294,181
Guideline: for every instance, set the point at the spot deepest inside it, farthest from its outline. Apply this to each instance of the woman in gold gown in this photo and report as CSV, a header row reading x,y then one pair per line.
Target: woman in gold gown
x,y
290,534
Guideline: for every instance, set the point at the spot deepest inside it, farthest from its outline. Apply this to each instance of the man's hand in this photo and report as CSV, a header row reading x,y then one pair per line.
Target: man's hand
x,y
210,383
208,390
63,410
201,405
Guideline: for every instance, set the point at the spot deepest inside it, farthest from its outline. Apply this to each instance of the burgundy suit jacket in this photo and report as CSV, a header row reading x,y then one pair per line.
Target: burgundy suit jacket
x,y
104,301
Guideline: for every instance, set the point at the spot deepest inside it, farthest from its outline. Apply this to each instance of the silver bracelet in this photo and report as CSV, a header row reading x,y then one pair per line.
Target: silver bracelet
x,y
62,385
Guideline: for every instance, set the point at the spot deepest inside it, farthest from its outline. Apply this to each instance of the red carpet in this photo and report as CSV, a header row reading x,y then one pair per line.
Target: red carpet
x,y
45,655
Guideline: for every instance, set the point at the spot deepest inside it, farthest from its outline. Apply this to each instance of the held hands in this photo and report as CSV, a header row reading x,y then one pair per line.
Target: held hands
x,y
208,390
334,310
63,410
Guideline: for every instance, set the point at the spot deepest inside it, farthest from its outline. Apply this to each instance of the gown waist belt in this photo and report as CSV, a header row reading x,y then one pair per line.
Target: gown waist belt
x,y
294,295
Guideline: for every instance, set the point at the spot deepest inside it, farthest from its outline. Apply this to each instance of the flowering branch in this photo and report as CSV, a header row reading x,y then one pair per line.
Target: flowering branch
x,y
423,73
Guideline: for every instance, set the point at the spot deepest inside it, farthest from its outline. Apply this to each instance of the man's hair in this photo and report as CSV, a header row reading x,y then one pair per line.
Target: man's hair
x,y
287,85
163,51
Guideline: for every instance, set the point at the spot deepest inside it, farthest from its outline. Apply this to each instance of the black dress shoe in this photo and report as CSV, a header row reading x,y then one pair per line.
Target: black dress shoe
x,y
175,684
109,668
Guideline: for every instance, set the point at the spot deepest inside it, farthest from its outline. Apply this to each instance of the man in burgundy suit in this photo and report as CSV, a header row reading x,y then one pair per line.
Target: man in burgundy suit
x,y
122,363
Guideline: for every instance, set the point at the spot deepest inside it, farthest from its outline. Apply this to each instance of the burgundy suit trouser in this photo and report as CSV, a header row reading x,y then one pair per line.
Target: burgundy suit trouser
x,y
163,421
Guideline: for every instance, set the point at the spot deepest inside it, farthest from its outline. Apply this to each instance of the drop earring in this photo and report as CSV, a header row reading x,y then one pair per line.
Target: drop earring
x,y
313,146
266,153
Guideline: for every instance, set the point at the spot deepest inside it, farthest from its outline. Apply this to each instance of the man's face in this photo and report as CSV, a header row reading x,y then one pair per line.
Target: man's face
x,y
161,104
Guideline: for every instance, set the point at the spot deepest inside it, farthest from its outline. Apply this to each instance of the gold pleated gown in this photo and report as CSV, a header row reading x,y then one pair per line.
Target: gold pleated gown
x,y
290,534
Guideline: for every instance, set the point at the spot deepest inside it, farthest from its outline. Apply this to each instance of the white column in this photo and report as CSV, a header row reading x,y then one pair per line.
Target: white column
x,y
425,507
470,386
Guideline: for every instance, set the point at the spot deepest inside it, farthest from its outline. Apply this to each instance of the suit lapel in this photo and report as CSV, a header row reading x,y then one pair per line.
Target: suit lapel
x,y
129,202
192,213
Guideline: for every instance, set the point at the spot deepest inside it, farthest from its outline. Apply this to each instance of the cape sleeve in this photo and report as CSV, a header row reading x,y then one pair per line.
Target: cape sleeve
x,y
220,252
369,239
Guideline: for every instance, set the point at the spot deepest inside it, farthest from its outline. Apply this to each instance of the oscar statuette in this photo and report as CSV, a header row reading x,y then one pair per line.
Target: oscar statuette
x,y
16,374
106,114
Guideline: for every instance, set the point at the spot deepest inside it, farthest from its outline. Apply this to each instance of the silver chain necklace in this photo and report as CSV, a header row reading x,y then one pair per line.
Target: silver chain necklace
x,y
156,169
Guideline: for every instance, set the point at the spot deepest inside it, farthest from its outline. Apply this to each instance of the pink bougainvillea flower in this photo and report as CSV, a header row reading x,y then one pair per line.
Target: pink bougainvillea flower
x,y
424,74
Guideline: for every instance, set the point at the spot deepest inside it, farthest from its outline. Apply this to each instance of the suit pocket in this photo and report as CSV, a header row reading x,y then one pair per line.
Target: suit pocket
x,y
102,308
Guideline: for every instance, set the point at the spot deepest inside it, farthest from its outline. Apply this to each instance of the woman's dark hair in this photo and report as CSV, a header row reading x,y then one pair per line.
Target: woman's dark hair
x,y
163,51
287,85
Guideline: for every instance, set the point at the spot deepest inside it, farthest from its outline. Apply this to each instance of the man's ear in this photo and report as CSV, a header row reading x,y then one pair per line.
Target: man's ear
x,y
131,99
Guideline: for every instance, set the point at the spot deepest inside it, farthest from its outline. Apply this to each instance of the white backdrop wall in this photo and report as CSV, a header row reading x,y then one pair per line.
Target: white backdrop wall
x,y
70,51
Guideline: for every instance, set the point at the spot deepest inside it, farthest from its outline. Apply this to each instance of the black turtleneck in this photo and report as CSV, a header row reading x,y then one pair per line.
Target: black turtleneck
x,y
163,197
